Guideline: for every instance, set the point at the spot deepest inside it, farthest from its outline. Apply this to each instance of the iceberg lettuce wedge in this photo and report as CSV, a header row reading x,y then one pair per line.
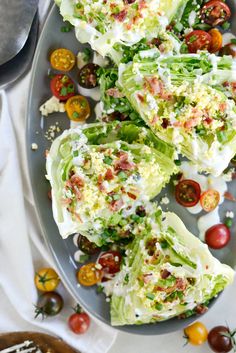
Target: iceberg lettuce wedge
x,y
186,100
99,172
104,24
167,272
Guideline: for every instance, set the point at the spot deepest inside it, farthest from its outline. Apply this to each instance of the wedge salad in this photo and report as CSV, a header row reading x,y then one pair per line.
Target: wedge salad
x,y
163,75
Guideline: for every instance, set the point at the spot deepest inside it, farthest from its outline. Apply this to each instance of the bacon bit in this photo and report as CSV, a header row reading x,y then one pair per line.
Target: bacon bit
x,y
124,164
207,267
222,107
120,16
116,205
109,175
201,309
208,121
226,84
161,48
229,196
147,277
76,181
114,92
155,119
142,5
178,124
128,26
156,42
100,183
156,87
165,123
191,123
50,194
165,274
78,217
46,152
66,202
141,97
180,284
132,196
129,2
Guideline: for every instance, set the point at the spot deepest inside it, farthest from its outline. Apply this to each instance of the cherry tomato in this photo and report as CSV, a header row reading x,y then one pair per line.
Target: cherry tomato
x,y
209,200
196,333
215,12
110,261
49,304
217,40
77,108
220,339
79,323
62,87
217,236
87,246
62,59
198,40
187,193
87,76
88,275
46,279
228,49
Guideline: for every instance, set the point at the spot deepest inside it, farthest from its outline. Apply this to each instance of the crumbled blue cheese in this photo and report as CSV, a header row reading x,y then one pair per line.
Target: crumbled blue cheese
x,y
230,214
165,200
34,146
52,105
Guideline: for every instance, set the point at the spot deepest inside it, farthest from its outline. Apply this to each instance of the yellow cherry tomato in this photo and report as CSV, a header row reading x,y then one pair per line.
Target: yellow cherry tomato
x,y
46,279
77,108
217,40
88,275
209,200
196,333
62,59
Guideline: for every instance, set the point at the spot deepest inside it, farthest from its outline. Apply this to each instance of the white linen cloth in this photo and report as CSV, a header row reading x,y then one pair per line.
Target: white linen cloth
x,y
22,248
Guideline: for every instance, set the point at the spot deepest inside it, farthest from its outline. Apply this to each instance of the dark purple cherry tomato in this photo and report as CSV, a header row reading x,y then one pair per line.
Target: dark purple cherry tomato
x,y
87,76
87,246
220,339
215,12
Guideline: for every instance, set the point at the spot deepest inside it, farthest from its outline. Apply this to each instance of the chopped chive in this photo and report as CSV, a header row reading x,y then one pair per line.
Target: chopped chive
x,y
225,25
228,222
164,244
99,289
126,278
177,162
158,306
150,296
75,153
75,115
116,197
122,176
64,79
63,91
178,27
108,160
221,136
233,41
192,39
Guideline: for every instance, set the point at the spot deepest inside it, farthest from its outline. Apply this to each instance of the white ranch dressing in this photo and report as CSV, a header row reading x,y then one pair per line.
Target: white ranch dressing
x,y
207,221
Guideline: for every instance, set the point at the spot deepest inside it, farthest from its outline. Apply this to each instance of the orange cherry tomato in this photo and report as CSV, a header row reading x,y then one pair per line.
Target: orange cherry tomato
x,y
62,59
217,40
77,108
88,275
196,333
209,200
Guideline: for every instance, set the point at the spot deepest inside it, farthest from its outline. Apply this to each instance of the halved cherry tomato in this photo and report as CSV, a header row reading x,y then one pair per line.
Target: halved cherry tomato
x,y
198,40
77,108
217,236
62,87
228,49
87,246
87,76
217,40
88,275
46,279
209,200
215,12
110,261
187,193
62,59
196,333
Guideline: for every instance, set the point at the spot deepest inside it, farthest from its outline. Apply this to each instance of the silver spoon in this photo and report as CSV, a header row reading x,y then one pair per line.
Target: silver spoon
x,y
13,69
16,17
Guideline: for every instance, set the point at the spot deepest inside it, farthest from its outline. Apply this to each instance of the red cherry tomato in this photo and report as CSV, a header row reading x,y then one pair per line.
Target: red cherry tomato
x,y
79,322
217,236
187,193
62,87
110,261
198,40
215,12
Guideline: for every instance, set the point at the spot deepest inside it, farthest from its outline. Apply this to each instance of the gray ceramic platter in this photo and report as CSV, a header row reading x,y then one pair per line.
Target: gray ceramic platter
x,y
63,250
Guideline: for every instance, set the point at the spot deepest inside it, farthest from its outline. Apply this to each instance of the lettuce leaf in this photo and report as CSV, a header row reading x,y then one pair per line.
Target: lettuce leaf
x,y
168,272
